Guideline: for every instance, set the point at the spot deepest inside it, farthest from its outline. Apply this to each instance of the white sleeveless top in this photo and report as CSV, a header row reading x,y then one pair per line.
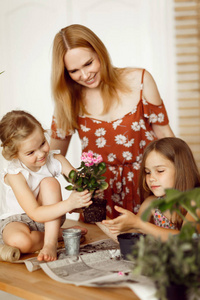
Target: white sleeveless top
x,y
10,205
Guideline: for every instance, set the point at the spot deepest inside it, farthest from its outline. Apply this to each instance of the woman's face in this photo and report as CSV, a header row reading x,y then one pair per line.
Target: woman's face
x,y
83,66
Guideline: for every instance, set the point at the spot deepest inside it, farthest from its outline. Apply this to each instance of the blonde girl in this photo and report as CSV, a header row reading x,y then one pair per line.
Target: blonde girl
x,y
33,210
116,111
167,163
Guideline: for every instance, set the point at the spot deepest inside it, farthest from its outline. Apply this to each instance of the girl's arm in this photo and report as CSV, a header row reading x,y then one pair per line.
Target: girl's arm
x,y
66,166
128,221
189,218
44,213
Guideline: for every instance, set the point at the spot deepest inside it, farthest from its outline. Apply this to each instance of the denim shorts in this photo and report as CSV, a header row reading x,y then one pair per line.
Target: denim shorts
x,y
23,218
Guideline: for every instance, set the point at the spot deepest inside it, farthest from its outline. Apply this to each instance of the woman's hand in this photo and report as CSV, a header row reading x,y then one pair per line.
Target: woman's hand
x,y
125,222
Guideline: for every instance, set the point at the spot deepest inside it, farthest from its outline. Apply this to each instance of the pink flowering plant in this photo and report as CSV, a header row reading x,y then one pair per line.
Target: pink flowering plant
x,y
89,175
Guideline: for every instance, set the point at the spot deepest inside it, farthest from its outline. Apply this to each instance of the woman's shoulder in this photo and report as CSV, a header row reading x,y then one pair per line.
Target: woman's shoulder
x,y
135,76
135,73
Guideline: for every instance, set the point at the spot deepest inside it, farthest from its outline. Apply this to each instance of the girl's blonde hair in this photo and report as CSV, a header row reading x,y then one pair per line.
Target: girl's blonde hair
x,y
15,127
178,152
66,92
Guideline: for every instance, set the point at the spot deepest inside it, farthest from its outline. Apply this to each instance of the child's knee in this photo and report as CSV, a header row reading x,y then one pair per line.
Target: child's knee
x,y
50,184
50,191
20,241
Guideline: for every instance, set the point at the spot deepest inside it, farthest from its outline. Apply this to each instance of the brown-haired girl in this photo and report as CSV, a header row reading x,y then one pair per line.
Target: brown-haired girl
x,y
167,163
116,111
33,210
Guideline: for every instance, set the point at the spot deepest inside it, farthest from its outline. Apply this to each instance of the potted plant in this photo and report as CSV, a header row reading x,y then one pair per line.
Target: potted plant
x,y
175,264
89,176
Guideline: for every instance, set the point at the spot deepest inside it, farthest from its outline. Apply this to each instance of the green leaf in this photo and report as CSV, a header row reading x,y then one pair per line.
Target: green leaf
x,y
102,166
93,180
103,185
174,200
69,187
72,175
85,181
102,178
79,181
187,230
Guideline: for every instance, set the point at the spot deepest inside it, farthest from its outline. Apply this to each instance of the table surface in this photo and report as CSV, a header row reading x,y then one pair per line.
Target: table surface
x,y
16,279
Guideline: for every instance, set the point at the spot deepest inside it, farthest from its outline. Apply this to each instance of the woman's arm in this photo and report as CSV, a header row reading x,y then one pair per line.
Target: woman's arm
x,y
62,145
162,131
151,94
150,90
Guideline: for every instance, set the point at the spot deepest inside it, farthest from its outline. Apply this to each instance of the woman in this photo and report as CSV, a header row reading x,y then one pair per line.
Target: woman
x,y
117,111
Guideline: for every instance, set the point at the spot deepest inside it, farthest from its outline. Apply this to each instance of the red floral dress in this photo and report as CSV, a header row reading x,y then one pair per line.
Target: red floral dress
x,y
121,144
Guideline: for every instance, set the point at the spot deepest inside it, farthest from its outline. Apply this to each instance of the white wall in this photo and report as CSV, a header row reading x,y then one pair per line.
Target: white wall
x,y
136,33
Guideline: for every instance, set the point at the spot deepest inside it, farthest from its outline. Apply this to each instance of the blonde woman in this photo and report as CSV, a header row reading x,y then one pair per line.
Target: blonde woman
x,y
116,111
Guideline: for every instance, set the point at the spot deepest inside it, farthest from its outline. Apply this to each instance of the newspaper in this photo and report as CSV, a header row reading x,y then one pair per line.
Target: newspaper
x,y
98,264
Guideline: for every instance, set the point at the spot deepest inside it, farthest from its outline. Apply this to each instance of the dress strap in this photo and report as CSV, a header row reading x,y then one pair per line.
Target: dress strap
x,y
141,87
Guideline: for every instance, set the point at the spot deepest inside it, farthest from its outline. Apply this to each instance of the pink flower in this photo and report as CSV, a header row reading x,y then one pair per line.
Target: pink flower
x,y
91,169
89,158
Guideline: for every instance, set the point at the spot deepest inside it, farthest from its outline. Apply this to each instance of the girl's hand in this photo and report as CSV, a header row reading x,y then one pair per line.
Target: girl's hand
x,y
79,199
126,221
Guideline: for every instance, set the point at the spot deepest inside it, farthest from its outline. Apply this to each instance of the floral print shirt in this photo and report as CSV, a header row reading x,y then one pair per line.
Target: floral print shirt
x,y
121,144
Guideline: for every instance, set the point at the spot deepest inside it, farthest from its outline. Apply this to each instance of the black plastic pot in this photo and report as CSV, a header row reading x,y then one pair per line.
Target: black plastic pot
x,y
96,212
126,242
176,292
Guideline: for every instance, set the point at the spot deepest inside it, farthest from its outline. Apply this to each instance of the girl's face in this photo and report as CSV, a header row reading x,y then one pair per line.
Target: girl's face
x,y
160,173
83,66
33,151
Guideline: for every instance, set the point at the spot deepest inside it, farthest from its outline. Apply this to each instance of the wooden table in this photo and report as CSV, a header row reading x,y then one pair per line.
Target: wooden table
x,y
16,279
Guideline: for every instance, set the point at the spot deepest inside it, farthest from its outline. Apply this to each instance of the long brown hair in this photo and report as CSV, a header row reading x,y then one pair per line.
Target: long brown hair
x,y
15,127
67,93
178,152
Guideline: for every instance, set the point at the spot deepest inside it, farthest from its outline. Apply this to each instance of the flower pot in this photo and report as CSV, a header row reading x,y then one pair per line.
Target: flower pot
x,y
176,291
126,242
96,212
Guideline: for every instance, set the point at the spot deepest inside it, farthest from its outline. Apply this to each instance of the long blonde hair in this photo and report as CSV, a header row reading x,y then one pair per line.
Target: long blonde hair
x,y
67,93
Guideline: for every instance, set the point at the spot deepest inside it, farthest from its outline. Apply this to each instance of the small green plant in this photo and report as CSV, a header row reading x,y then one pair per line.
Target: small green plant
x,y
88,175
176,261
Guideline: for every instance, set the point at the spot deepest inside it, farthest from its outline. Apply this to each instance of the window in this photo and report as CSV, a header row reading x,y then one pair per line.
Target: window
x,y
187,28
